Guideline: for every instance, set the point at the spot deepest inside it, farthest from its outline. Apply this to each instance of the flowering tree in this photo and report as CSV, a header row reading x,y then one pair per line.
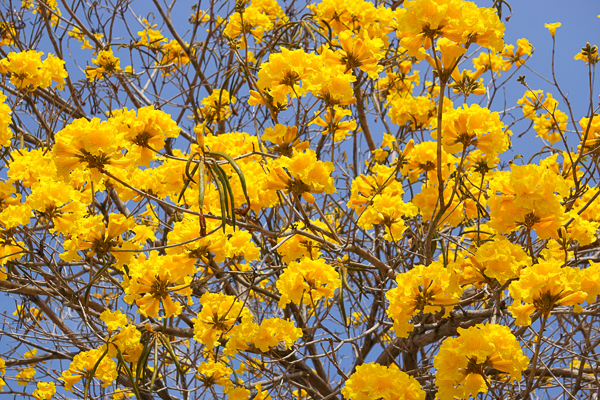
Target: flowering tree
x,y
263,200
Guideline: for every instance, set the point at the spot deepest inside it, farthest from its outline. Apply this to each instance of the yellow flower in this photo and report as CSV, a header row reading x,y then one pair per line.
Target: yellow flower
x,y
238,393
423,21
113,320
552,125
424,289
6,133
174,56
2,372
296,246
80,36
84,363
199,17
212,373
255,24
489,62
29,354
218,317
274,330
262,394
461,361
543,287
25,376
186,231
107,65
128,342
333,123
528,196
524,48
145,133
536,100
497,259
423,159
44,391
285,139
7,34
93,145
150,37
466,82
590,281
416,111
552,27
214,109
121,394
360,51
301,175
474,126
374,381
28,72
307,281
154,279
283,73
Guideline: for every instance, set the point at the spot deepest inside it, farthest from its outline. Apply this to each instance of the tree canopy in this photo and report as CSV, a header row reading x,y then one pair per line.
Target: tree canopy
x,y
262,200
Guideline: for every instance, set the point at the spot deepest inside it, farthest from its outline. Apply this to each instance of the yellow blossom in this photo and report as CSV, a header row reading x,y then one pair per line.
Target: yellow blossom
x,y
424,289
83,365
217,320
374,381
461,361
552,27
154,279
212,373
274,330
543,287
113,320
106,65
25,376
307,281
44,391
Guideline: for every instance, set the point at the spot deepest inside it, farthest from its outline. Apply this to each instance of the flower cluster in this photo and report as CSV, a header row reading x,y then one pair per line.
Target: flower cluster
x,y
301,175
422,290
374,381
543,287
28,71
107,64
88,365
461,361
528,196
474,126
307,281
422,21
152,280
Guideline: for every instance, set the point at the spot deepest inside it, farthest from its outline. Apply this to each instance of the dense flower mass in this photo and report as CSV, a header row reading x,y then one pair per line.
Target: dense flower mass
x,y
543,287
27,70
218,317
260,199
374,381
154,279
301,175
461,361
88,365
423,290
307,281
420,22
